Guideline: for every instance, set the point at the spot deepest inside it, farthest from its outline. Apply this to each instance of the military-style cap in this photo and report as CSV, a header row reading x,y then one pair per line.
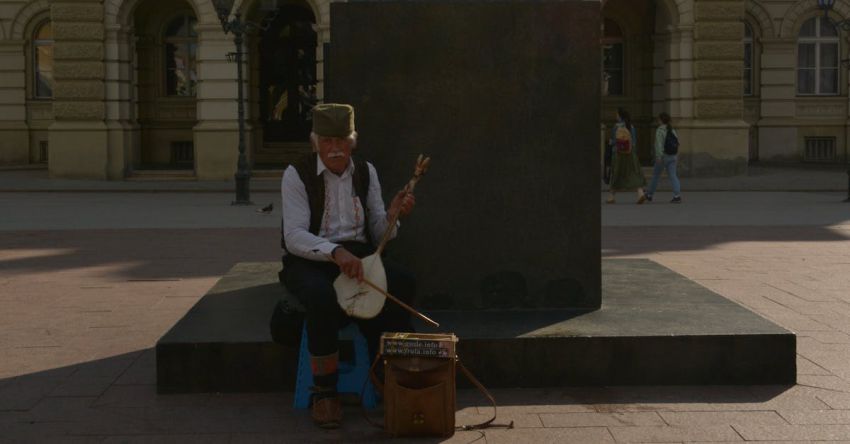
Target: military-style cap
x,y
333,120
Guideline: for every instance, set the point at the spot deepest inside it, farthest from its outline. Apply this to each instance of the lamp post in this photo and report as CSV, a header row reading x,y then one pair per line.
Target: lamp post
x,y
238,27
843,25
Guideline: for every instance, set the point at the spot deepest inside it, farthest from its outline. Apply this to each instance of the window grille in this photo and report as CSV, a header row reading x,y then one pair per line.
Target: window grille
x,y
183,153
819,149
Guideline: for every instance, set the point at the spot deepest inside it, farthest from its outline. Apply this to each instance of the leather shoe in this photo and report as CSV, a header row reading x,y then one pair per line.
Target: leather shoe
x,y
327,412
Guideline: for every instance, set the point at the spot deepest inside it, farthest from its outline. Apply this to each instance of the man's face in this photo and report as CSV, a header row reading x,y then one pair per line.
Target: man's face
x,y
335,152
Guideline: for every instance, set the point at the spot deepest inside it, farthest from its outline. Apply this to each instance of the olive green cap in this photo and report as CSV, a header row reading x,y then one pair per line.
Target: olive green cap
x,y
333,120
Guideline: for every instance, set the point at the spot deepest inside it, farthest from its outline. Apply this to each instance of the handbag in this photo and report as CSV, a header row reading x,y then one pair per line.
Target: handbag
x,y
419,388
623,140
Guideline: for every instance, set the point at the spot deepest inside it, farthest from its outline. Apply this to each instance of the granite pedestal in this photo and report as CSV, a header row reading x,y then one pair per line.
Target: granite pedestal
x,y
656,327
504,97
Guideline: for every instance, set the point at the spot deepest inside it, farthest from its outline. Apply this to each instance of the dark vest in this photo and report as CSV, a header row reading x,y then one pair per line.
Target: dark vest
x,y
315,186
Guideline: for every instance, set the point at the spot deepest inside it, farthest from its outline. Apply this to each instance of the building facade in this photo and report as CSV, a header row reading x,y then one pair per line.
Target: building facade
x,y
107,89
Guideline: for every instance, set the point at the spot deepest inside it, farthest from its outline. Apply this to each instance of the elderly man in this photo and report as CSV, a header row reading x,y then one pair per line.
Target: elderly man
x,y
333,215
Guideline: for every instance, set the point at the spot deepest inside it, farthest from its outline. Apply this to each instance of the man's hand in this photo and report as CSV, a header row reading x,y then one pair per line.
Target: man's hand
x,y
402,203
348,263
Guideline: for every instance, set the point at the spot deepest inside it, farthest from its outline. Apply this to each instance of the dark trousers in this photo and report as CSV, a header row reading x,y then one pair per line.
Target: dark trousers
x,y
312,284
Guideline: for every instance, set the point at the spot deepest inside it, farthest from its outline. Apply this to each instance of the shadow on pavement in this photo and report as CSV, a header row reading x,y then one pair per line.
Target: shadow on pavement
x,y
116,397
138,253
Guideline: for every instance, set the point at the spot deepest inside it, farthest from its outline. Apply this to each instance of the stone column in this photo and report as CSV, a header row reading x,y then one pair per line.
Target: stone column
x,y
121,123
14,134
78,137
718,137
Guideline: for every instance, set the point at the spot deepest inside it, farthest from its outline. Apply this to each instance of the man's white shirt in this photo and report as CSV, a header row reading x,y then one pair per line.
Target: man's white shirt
x,y
343,218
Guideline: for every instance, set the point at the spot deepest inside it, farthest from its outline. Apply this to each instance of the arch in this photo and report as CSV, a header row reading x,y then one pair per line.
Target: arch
x,y
680,13
314,6
761,17
805,9
118,13
19,24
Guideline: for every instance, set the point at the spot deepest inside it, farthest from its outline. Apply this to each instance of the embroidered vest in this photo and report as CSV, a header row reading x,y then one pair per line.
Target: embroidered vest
x,y
314,184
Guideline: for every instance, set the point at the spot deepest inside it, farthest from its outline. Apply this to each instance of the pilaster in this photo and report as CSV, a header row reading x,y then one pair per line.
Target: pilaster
x,y
718,136
14,133
216,133
78,137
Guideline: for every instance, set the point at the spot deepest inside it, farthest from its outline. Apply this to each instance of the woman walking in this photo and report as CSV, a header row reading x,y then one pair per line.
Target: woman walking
x,y
626,174
666,155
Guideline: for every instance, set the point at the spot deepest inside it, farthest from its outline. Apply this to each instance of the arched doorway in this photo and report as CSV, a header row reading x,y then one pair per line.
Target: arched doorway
x,y
166,60
285,93
636,55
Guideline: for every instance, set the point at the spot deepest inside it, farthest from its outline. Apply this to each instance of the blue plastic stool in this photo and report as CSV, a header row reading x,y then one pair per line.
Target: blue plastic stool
x,y
351,374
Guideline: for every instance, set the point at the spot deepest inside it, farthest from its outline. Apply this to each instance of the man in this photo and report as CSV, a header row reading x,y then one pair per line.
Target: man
x,y
333,215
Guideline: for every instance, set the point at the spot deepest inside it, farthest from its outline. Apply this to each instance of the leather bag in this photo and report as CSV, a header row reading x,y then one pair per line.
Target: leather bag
x,y
419,396
420,393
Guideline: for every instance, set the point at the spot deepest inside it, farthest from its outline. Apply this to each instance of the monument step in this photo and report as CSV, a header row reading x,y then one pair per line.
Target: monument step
x,y
656,327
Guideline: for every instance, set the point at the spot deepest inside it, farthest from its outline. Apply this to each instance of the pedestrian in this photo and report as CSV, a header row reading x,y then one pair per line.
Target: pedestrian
x,y
626,173
666,156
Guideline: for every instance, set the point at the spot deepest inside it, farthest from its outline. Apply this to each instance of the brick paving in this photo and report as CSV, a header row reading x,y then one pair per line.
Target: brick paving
x,y
81,309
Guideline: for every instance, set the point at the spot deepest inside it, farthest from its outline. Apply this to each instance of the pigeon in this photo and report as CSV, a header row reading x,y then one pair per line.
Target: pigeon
x,y
266,209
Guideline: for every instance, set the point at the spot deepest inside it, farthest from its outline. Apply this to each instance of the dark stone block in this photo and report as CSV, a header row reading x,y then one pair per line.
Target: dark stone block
x,y
656,328
504,96
504,290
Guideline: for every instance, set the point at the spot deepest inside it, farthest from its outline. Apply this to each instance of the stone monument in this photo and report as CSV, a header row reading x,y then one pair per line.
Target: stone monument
x,y
505,242
504,97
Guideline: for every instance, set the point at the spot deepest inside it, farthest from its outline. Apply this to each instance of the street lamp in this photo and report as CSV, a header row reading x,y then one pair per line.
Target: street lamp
x,y
238,27
844,25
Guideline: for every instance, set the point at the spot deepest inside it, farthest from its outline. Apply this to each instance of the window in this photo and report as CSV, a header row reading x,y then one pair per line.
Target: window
x,y
819,149
817,58
42,45
748,60
612,59
181,49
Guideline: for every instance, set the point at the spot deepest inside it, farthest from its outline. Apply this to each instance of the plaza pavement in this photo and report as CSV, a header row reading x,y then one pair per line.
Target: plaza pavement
x,y
91,278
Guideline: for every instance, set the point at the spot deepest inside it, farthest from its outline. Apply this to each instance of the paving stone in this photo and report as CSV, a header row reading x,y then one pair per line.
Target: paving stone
x,y
24,394
828,382
687,419
175,439
600,419
83,386
754,432
828,337
835,400
110,367
674,434
520,420
145,396
141,371
807,367
714,399
535,436
817,416
62,409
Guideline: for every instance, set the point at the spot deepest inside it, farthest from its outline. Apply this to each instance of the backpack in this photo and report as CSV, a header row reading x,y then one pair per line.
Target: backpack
x,y
671,143
623,140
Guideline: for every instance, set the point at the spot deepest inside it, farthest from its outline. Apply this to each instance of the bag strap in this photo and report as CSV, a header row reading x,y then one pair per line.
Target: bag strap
x,y
488,423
